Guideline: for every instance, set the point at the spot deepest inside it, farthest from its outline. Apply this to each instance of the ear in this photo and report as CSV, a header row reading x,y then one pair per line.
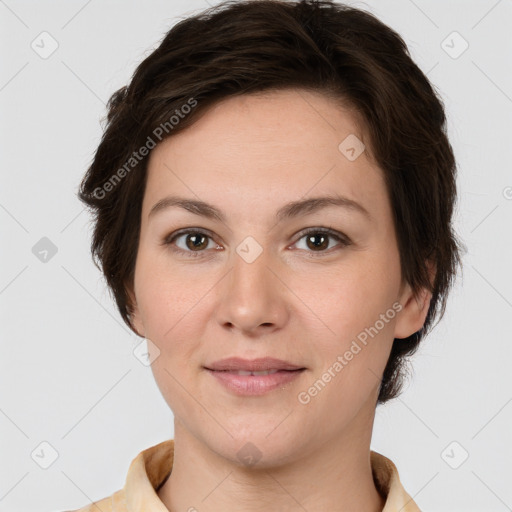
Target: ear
x,y
414,309
135,318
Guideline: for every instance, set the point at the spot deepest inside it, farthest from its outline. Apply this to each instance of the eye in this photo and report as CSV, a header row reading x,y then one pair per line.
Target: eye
x,y
317,240
193,242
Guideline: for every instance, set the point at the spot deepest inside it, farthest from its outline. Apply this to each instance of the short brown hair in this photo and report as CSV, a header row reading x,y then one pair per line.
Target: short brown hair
x,y
240,47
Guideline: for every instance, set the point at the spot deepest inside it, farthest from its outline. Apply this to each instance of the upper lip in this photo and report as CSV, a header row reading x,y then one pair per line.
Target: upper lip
x,y
252,365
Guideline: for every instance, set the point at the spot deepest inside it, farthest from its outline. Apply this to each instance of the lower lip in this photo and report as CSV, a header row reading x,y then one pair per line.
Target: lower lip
x,y
254,384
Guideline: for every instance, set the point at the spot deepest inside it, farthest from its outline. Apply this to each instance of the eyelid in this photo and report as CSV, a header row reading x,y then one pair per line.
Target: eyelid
x,y
191,230
169,239
341,238
326,230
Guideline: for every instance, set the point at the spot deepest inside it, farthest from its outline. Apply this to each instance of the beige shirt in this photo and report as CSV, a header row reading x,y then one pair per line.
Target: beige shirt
x,y
149,470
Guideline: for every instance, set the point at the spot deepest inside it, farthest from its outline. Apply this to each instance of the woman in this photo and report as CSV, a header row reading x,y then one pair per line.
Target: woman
x,y
273,199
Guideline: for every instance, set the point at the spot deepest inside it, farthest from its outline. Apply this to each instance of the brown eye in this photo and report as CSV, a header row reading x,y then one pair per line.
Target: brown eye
x,y
318,241
196,241
190,243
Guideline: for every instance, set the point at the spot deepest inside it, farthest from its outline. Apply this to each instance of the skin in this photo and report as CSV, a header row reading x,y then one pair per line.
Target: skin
x,y
248,156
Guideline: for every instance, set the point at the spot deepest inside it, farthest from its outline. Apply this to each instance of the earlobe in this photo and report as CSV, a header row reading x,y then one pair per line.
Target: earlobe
x,y
414,311
135,315
414,308
137,324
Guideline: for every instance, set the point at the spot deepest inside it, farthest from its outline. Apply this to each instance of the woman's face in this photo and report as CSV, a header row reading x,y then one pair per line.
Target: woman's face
x,y
256,285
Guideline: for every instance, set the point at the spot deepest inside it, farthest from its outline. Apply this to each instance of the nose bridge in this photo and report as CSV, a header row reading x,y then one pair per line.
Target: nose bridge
x,y
251,296
250,279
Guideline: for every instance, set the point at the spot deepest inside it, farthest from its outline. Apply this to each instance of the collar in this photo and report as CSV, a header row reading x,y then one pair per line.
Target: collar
x,y
149,470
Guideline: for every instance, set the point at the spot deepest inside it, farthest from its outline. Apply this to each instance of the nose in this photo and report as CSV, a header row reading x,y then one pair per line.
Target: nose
x,y
253,297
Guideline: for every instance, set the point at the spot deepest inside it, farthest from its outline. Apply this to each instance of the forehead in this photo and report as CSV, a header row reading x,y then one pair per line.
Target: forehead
x,y
266,149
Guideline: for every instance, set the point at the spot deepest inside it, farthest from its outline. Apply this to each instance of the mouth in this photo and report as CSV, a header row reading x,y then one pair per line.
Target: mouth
x,y
255,383
261,366
255,374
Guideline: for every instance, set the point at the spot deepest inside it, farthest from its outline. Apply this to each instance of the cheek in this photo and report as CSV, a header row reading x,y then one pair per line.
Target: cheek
x,y
168,303
343,300
166,296
172,306
353,320
351,353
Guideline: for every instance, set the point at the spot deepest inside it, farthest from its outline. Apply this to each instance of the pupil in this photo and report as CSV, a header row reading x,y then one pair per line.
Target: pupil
x,y
311,239
194,239
321,244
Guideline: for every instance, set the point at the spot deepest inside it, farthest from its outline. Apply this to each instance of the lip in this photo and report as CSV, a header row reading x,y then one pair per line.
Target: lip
x,y
253,385
252,365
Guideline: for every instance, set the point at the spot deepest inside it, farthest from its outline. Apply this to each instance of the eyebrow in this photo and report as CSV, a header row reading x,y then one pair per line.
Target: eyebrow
x,y
288,211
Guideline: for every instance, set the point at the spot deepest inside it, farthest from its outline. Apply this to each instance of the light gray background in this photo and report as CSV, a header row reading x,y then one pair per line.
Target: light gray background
x,y
68,373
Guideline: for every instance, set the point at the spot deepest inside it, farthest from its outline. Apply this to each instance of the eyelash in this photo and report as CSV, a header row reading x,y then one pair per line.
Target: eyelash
x,y
339,237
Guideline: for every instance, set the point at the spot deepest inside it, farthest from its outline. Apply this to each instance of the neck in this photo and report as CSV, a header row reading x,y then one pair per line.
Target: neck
x,y
335,475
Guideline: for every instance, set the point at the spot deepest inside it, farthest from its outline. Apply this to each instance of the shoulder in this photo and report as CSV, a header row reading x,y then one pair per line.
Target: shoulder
x,y
115,502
